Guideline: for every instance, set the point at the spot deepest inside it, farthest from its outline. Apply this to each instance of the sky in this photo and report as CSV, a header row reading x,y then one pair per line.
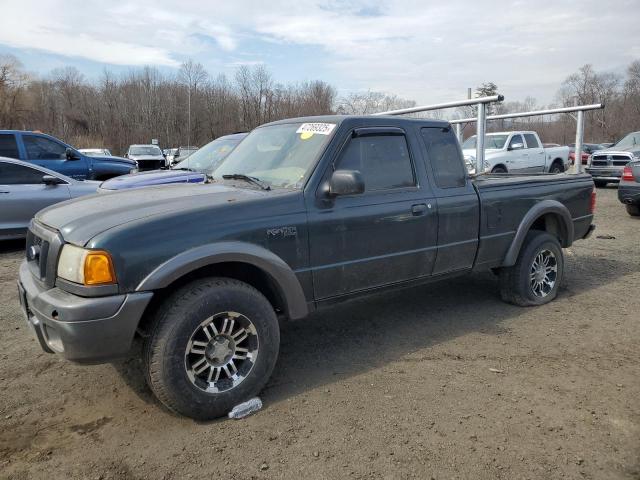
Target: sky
x,y
422,50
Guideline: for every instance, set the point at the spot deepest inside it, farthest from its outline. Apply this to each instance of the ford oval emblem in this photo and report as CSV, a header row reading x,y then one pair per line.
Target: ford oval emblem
x,y
33,252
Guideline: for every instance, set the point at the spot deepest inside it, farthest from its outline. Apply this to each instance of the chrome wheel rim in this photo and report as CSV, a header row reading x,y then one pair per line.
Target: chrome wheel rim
x,y
221,352
544,273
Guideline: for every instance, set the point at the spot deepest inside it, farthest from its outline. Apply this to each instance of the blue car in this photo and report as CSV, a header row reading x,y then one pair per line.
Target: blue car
x,y
49,152
193,169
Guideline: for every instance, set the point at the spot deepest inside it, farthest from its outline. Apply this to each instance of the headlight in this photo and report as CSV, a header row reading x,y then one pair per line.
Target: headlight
x,y
86,267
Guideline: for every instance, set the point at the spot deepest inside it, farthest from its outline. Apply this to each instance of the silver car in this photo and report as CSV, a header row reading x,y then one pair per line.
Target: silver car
x,y
26,188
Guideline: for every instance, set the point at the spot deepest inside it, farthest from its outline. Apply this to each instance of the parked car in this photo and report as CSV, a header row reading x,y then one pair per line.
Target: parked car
x,y
26,188
587,149
182,153
606,165
193,169
96,152
49,152
517,152
304,213
148,157
169,153
629,188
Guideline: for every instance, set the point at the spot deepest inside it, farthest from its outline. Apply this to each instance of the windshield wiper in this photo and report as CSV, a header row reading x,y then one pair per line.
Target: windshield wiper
x,y
247,178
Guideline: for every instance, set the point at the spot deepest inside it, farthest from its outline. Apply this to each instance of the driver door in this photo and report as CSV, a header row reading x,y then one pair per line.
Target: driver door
x,y
51,154
517,156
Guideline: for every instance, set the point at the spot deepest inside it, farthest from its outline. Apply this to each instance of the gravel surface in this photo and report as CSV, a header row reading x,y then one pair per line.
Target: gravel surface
x,y
442,381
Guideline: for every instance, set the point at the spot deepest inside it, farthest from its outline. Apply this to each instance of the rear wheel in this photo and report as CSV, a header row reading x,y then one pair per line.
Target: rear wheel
x,y
213,345
633,210
499,169
536,276
556,168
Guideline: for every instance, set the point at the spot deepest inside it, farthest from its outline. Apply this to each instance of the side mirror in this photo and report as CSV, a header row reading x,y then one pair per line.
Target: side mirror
x,y
516,146
346,182
51,180
71,154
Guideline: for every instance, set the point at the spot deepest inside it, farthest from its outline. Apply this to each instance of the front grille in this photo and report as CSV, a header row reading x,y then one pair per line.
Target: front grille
x,y
610,160
150,164
42,249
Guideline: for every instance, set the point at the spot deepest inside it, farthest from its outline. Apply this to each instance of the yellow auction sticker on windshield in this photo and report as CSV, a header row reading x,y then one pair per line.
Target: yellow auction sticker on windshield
x,y
308,130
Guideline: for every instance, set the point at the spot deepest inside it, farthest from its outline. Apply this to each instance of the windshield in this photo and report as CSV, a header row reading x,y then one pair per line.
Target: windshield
x,y
490,141
630,140
206,159
145,150
281,155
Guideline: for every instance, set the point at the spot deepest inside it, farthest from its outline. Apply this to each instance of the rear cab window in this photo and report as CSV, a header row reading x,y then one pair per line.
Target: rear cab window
x,y
8,146
445,156
532,141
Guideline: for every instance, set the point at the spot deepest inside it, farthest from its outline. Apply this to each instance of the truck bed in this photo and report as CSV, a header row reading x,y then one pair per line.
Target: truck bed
x,y
502,211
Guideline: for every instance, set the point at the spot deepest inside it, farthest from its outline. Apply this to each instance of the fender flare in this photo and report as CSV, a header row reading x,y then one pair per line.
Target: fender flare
x,y
538,210
277,269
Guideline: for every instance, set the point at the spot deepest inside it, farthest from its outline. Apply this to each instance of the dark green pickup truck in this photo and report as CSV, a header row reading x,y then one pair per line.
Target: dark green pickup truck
x,y
304,213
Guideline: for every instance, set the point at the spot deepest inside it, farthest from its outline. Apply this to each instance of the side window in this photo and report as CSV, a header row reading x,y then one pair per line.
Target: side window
x,y
445,157
12,174
42,148
8,146
383,161
532,141
515,140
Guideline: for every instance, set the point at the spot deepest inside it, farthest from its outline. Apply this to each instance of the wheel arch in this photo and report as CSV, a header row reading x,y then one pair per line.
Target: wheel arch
x,y
550,216
252,264
500,165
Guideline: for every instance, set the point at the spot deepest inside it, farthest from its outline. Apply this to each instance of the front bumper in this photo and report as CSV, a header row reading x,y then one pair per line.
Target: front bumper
x,y
609,174
85,330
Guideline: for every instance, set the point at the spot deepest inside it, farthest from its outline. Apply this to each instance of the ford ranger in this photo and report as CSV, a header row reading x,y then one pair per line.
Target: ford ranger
x,y
49,152
304,213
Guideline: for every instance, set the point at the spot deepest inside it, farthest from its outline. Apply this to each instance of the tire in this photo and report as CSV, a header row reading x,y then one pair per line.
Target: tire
x,y
517,282
499,169
177,349
600,183
633,210
556,167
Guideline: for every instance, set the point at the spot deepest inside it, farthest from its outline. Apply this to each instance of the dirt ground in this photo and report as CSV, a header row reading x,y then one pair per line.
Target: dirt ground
x,y
443,381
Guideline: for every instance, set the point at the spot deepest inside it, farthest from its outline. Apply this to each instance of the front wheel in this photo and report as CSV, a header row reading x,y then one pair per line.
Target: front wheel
x,y
214,344
633,210
499,170
536,276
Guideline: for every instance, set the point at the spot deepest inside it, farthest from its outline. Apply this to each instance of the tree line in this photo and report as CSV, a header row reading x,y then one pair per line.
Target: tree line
x,y
193,107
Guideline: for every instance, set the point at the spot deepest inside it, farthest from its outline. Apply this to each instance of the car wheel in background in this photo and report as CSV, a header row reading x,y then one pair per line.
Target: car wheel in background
x,y
213,345
499,169
556,168
600,183
537,273
633,210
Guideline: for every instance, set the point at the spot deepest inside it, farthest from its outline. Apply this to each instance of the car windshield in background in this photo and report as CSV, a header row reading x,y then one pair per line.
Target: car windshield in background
x,y
280,155
207,158
490,141
630,140
145,151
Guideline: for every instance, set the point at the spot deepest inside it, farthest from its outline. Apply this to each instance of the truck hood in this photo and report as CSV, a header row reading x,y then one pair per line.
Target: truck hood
x,y
81,219
152,177
634,149
471,152
116,160
146,157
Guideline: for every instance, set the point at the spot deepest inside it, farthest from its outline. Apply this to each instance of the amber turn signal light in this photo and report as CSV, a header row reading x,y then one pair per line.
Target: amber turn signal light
x,y
98,268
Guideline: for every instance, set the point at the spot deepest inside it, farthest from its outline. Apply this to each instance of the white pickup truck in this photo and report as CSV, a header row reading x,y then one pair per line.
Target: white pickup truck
x,y
516,152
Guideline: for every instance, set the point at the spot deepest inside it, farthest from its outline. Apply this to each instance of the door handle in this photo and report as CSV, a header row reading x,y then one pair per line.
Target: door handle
x,y
418,209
